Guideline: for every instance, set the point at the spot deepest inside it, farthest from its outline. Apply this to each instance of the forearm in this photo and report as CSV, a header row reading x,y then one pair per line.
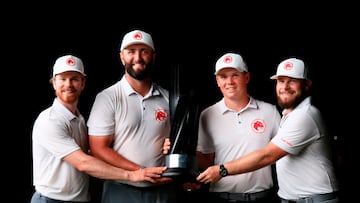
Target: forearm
x,y
249,162
102,170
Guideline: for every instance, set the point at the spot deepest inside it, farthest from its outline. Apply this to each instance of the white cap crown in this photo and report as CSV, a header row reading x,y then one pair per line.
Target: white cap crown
x,y
137,37
68,63
230,60
292,67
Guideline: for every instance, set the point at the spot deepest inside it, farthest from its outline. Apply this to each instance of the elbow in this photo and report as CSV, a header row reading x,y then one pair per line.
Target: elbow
x,y
85,163
83,166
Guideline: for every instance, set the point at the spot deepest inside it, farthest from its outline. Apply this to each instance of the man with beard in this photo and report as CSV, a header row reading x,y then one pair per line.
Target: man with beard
x,y
128,123
61,162
300,149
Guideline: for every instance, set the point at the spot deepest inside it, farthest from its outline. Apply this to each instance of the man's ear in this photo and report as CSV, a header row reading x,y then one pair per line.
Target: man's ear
x,y
121,59
308,84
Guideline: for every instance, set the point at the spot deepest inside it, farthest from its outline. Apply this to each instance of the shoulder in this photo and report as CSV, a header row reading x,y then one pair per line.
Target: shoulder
x,y
110,91
112,88
50,120
213,108
163,91
264,105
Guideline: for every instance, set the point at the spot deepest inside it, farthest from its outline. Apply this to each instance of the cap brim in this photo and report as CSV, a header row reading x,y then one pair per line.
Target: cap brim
x,y
239,70
132,43
274,77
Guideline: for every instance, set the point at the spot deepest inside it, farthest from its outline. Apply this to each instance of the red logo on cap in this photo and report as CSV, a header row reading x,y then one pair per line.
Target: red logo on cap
x,y
70,62
227,59
258,126
161,115
288,66
137,36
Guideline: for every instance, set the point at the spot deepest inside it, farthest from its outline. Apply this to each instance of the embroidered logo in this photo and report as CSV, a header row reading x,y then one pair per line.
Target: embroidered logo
x,y
288,66
161,115
228,59
137,36
70,62
258,126
287,142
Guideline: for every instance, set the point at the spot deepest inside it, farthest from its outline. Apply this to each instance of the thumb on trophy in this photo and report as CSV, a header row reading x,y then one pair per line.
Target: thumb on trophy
x,y
167,145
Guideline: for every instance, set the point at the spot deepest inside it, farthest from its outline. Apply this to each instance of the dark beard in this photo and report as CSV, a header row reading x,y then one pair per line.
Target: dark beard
x,y
290,104
141,75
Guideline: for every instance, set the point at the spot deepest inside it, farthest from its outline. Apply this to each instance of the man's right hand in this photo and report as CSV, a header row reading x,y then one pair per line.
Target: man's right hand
x,y
151,174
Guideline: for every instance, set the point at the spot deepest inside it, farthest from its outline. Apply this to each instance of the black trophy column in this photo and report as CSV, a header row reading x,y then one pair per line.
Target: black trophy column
x,y
184,112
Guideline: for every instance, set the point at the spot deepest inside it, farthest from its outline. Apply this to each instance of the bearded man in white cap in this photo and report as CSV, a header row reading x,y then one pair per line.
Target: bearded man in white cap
x,y
61,162
128,123
301,147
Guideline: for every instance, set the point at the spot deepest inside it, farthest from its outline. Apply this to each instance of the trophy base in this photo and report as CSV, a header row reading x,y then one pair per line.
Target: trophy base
x,y
180,165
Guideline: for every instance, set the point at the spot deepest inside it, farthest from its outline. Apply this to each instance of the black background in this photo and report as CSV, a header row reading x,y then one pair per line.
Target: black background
x,y
191,37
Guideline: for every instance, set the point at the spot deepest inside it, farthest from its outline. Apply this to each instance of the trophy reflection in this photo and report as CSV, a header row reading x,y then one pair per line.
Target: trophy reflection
x,y
184,111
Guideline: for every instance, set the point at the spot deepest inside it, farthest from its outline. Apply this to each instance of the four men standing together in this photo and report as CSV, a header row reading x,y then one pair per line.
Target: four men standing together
x,y
240,138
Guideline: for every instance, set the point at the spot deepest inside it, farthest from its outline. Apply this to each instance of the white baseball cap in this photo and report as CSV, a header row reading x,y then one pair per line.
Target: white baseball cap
x,y
292,67
68,63
231,60
137,37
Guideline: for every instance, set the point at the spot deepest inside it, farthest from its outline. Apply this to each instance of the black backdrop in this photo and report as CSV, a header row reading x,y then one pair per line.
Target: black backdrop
x,y
186,36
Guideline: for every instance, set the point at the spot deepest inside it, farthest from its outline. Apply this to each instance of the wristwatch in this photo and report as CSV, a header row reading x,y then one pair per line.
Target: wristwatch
x,y
223,171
